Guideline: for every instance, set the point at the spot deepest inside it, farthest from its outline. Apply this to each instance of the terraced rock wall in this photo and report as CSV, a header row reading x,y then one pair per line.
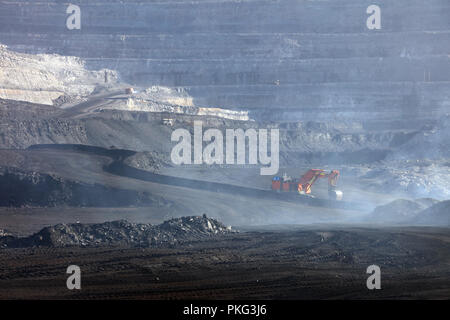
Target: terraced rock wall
x,y
289,59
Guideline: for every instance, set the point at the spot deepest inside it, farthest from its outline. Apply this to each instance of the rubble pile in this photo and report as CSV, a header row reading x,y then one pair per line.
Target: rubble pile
x,y
122,233
148,160
188,228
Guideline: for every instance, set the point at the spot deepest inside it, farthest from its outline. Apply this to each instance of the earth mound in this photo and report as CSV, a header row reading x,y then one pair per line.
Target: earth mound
x,y
122,233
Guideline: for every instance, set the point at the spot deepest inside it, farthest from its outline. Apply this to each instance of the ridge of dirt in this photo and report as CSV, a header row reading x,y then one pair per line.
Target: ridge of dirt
x,y
122,232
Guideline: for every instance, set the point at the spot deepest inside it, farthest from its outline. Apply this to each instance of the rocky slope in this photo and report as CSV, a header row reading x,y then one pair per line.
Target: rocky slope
x,y
290,59
300,142
48,78
286,59
64,81
21,188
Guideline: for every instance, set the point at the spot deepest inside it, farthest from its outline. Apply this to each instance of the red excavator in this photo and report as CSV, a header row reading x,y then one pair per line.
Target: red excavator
x,y
304,184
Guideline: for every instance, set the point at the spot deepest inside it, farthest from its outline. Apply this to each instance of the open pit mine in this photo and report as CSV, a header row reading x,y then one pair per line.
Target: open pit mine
x,y
323,149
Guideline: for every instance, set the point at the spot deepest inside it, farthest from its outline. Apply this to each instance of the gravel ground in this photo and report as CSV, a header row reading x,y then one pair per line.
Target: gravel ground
x,y
303,263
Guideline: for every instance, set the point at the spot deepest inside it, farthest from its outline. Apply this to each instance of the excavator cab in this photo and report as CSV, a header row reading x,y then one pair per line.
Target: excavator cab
x,y
333,193
308,179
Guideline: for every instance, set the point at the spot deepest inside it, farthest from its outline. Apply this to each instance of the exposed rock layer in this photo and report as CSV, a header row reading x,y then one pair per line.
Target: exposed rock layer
x,y
304,59
45,78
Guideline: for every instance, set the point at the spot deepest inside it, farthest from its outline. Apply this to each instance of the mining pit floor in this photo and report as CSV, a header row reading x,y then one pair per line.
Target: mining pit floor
x,y
174,194
275,262
286,249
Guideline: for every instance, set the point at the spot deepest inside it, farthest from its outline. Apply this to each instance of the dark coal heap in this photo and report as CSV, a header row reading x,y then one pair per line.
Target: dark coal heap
x,y
4,233
122,233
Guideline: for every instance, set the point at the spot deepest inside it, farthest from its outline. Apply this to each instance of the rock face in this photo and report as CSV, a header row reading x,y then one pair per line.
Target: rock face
x,y
123,233
46,79
287,59
146,105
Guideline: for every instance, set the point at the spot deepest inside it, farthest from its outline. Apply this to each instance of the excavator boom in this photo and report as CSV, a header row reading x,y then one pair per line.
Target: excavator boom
x,y
304,184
